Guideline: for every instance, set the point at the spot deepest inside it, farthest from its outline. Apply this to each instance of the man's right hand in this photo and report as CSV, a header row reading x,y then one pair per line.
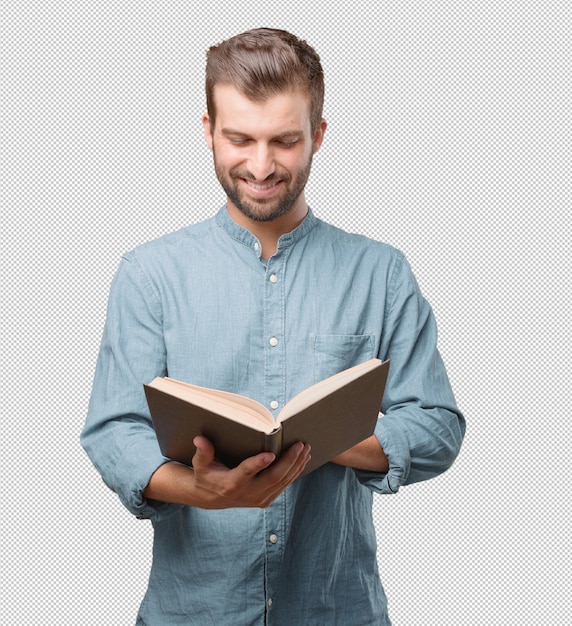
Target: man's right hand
x,y
211,485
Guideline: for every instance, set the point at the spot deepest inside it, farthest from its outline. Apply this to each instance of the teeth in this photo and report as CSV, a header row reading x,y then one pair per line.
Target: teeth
x,y
261,187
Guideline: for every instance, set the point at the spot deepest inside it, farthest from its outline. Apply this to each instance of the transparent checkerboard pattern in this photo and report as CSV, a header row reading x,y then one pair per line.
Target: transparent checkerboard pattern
x,y
448,137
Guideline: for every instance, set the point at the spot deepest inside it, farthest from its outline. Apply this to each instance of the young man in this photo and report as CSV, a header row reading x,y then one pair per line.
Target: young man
x,y
264,299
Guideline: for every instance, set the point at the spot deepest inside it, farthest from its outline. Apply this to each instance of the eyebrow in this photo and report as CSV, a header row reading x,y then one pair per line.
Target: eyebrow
x,y
288,133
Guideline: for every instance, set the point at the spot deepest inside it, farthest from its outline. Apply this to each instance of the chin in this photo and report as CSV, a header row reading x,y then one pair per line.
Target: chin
x,y
262,212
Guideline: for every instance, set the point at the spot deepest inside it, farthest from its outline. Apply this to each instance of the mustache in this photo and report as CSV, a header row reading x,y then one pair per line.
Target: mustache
x,y
246,175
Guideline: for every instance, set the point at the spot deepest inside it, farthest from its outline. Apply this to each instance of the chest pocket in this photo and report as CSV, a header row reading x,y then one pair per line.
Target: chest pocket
x,y
335,353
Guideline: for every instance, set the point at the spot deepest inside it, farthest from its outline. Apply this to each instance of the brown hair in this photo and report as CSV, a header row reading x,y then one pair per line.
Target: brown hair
x,y
264,62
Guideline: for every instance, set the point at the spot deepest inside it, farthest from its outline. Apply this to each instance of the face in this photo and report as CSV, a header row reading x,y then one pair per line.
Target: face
x,y
262,151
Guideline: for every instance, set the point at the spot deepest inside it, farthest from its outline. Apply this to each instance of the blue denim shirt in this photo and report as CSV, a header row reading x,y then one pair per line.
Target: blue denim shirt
x,y
202,305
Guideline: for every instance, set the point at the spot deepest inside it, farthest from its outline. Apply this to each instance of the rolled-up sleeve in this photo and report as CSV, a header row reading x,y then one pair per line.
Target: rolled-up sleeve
x,y
421,429
118,435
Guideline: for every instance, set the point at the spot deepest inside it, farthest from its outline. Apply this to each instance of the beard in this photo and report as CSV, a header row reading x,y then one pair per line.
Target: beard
x,y
263,209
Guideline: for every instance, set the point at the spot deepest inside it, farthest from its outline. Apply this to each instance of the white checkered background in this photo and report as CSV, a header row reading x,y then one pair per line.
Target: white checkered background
x,y
449,137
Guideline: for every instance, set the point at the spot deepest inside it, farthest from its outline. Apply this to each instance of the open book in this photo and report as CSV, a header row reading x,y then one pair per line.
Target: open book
x,y
331,416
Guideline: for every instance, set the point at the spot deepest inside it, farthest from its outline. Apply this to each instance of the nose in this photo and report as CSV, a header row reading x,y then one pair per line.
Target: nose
x,y
260,163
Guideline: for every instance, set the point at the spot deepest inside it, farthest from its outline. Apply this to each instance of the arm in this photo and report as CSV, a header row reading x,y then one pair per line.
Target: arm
x,y
211,485
367,455
119,436
421,431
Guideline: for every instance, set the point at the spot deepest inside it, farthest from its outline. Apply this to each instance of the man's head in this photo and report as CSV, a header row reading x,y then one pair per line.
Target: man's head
x,y
264,123
264,62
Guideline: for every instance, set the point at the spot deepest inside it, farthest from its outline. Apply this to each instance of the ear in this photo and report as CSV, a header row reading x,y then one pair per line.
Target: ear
x,y
207,130
319,135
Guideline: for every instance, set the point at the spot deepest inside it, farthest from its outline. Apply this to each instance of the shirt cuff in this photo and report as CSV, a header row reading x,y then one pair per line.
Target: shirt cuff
x,y
134,479
396,448
154,510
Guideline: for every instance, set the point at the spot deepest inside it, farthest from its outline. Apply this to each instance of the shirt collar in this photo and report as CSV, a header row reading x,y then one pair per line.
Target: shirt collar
x,y
244,236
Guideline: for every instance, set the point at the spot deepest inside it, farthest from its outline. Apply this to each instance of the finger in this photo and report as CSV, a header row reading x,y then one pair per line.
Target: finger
x,y
276,481
254,464
204,454
290,465
300,465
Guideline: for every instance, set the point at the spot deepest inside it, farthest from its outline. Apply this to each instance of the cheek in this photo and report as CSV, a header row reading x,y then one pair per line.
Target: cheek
x,y
296,160
226,157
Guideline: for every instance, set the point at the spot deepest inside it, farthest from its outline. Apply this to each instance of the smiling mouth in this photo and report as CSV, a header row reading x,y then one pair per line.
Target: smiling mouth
x,y
261,186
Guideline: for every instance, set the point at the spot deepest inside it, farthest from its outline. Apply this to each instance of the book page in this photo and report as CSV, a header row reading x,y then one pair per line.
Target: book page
x,y
230,405
318,391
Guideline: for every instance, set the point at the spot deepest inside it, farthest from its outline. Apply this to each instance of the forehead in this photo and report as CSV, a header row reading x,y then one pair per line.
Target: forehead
x,y
286,111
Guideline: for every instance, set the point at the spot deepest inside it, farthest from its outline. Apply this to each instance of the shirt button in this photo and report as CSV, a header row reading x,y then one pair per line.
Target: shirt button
x,y
273,538
273,278
269,601
273,341
274,404
256,246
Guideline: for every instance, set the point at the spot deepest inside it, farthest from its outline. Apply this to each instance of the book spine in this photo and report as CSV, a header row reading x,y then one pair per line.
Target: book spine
x,y
273,442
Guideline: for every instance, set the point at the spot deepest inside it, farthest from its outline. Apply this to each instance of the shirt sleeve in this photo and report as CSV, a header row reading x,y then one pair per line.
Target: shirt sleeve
x,y
421,429
118,435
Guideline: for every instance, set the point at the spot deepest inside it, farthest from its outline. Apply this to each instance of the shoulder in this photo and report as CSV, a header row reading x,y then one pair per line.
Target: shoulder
x,y
356,243
165,261
172,245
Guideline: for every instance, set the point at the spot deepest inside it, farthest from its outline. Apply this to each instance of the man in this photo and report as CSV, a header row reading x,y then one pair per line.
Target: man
x,y
264,299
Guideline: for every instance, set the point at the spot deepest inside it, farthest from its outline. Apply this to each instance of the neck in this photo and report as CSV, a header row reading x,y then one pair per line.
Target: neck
x,y
268,233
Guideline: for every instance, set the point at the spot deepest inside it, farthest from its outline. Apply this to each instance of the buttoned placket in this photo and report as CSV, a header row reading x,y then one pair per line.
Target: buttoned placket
x,y
274,392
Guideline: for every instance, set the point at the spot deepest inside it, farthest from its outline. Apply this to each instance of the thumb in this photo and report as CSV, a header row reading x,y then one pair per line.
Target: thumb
x,y
205,452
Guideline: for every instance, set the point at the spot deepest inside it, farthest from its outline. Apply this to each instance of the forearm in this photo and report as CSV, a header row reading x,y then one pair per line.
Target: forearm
x,y
212,485
367,455
171,482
